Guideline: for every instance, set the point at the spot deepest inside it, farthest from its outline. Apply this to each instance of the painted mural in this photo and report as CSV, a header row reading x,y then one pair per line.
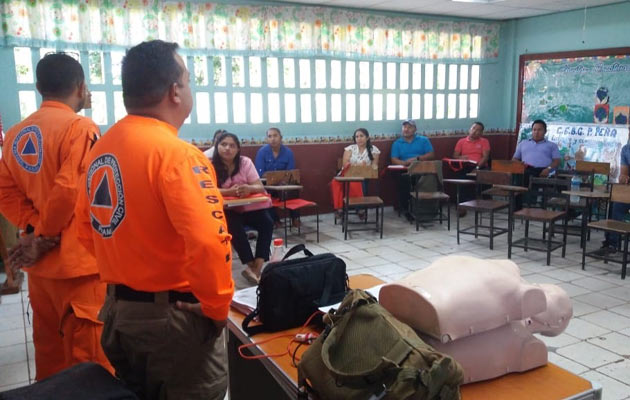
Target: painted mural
x,y
583,90
585,102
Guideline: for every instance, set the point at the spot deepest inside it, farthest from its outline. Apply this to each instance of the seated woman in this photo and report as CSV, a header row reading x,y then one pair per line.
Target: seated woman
x,y
237,177
362,152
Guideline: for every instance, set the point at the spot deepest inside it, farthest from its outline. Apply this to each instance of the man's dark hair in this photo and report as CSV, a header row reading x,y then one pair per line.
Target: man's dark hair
x,y
273,129
148,71
480,124
58,75
540,121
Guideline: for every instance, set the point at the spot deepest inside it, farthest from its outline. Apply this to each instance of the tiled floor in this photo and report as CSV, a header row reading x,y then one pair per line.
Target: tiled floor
x,y
595,345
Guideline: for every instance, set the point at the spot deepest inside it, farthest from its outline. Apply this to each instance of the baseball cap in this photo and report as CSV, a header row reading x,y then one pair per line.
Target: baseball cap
x,y
410,122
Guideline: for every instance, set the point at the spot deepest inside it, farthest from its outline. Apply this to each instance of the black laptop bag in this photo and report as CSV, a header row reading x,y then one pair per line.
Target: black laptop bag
x,y
290,291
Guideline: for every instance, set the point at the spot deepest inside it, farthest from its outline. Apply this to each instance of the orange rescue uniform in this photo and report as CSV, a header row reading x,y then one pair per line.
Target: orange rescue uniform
x,y
151,212
42,159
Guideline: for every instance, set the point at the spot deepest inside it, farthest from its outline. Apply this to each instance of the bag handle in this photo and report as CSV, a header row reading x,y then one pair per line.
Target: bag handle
x,y
296,249
450,163
252,330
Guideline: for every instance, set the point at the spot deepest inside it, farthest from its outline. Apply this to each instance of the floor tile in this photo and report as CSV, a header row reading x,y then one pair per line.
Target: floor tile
x,y
619,371
12,354
622,293
615,342
11,337
563,275
623,309
584,330
554,342
612,388
580,308
12,374
567,364
11,322
599,300
593,284
588,354
608,320
573,290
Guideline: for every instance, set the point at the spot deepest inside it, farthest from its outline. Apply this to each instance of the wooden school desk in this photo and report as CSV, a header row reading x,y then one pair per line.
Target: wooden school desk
x,y
275,378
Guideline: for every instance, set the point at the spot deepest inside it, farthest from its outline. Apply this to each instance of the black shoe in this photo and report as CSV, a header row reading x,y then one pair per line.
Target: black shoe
x,y
409,216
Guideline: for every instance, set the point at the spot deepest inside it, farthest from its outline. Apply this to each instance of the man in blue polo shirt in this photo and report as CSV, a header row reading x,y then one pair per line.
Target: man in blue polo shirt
x,y
405,150
274,156
540,156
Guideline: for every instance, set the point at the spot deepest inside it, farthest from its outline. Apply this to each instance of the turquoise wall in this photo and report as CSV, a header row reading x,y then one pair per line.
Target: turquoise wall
x,y
606,26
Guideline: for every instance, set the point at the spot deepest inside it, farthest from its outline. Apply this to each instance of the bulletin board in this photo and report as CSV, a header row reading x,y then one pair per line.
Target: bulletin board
x,y
585,95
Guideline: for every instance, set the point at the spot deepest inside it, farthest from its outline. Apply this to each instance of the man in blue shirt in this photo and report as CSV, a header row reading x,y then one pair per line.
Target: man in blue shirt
x,y
540,156
405,150
619,210
274,156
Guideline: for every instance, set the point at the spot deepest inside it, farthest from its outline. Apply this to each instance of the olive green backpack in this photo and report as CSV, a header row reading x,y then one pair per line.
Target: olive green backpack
x,y
365,353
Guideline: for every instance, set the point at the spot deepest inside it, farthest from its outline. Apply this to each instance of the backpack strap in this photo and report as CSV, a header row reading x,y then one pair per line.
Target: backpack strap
x,y
388,363
296,249
252,330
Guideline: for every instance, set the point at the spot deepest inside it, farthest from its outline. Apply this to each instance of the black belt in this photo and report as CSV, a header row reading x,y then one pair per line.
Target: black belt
x,y
122,292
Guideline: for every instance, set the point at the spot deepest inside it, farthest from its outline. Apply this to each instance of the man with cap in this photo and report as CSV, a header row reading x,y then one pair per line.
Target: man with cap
x,y
406,150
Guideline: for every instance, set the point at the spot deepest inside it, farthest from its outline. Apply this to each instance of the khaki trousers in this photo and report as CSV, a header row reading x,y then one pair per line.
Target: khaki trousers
x,y
161,352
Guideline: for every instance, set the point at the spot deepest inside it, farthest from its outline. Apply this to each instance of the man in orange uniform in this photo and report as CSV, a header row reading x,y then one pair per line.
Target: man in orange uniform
x,y
151,212
42,160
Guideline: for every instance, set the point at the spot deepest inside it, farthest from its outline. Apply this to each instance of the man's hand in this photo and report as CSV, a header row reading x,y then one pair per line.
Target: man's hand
x,y
196,309
545,172
30,249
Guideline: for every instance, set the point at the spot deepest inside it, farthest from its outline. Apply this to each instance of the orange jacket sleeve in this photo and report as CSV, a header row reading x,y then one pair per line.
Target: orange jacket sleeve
x,y
14,204
195,208
57,212
82,216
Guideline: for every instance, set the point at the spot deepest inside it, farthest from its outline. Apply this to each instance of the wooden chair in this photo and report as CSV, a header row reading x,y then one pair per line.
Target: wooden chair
x,y
597,168
363,203
284,180
511,166
620,193
428,169
577,206
514,167
480,206
548,214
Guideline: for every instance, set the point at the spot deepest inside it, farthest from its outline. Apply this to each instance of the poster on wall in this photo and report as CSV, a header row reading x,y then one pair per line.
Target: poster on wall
x,y
590,89
585,142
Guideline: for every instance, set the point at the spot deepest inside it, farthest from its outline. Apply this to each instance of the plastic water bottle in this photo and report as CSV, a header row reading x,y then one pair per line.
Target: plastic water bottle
x,y
575,187
278,250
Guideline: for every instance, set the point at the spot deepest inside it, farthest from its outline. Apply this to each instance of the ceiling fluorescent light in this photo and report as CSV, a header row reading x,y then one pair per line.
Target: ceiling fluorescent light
x,y
478,1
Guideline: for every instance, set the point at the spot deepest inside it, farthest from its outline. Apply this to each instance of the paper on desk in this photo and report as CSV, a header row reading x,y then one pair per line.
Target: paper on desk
x,y
373,291
245,300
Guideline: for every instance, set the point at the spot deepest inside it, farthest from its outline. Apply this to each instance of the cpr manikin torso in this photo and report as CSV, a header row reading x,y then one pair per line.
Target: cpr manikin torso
x,y
481,312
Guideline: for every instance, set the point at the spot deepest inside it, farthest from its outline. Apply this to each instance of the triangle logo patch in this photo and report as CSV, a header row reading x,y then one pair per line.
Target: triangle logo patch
x,y
29,148
102,197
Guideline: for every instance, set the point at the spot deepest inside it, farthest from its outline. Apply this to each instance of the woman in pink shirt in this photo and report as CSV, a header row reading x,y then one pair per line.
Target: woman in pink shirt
x,y
237,177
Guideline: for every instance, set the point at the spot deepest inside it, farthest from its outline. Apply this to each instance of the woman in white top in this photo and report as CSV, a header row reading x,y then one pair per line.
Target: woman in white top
x,y
362,152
